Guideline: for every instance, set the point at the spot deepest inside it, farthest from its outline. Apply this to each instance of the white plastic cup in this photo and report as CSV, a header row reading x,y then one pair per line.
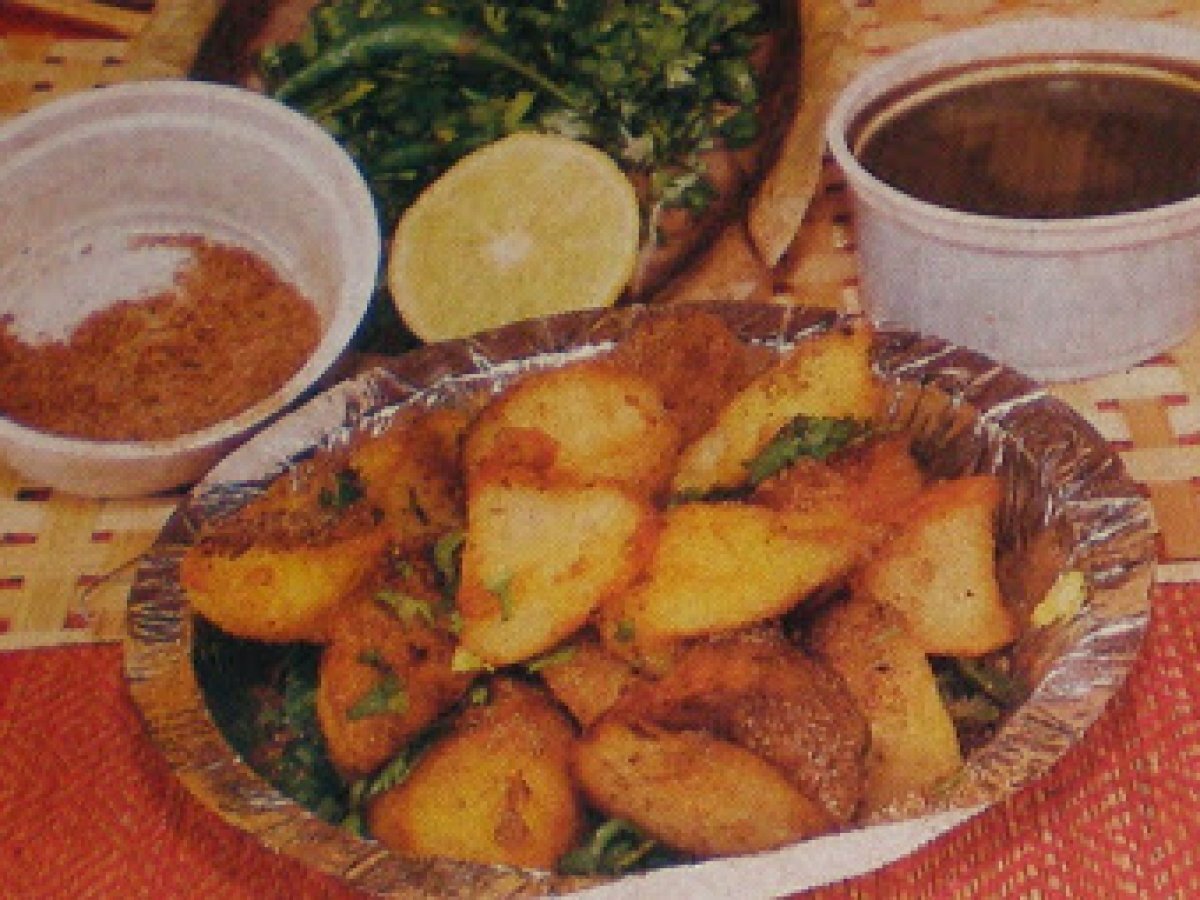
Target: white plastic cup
x,y
81,176
1059,299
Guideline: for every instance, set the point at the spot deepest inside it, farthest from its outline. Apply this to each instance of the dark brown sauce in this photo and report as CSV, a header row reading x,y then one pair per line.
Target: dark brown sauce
x,y
1041,141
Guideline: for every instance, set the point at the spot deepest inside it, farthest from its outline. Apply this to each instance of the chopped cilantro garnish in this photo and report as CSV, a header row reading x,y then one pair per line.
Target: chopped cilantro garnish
x,y
817,437
386,695
346,490
406,607
613,848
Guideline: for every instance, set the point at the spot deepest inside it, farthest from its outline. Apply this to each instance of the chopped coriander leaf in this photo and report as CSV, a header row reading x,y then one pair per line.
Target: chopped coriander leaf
x,y
346,490
406,607
387,695
447,560
264,701
410,86
502,591
553,658
817,437
995,684
613,848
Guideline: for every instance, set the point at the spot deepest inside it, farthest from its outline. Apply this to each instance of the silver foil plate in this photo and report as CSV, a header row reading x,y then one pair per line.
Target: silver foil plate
x,y
1067,504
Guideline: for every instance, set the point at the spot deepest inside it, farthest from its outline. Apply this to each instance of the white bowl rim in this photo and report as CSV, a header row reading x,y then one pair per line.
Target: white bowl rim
x,y
359,207
1050,36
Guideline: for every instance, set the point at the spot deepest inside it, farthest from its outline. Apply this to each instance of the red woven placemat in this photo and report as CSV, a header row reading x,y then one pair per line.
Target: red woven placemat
x,y
89,809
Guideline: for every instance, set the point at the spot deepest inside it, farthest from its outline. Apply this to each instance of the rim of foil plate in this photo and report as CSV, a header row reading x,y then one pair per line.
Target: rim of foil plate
x,y
1067,499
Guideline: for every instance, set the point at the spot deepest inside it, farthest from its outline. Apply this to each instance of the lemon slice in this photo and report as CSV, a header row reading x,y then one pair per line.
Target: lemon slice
x,y
530,225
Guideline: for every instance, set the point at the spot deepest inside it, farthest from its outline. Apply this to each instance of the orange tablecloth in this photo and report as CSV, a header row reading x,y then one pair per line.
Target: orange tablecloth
x,y
89,809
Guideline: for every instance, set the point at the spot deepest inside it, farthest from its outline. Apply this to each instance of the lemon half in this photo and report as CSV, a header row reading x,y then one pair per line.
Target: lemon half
x,y
530,225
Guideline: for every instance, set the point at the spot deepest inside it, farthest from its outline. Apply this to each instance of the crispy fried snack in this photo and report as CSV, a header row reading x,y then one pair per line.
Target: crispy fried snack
x,y
594,423
719,566
940,570
279,568
540,558
386,674
693,791
829,375
913,742
498,790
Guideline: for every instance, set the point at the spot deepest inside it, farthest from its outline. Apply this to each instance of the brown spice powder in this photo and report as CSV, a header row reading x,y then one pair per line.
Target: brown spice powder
x,y
227,335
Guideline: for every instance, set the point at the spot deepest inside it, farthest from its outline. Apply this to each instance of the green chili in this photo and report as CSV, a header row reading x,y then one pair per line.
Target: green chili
x,y
423,35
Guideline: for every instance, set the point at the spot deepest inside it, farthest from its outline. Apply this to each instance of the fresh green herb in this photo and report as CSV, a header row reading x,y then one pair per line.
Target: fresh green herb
x,y
977,694
386,695
464,660
501,589
347,489
407,608
817,437
479,695
419,36
410,86
613,848
447,561
554,658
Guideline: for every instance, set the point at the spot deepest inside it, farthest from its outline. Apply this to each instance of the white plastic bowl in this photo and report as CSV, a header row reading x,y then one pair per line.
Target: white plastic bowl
x,y
81,176
1059,299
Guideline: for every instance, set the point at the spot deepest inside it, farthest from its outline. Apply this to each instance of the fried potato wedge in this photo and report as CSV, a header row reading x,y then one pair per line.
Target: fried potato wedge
x,y
695,360
589,679
539,559
872,484
497,790
913,741
602,425
939,571
281,594
722,566
692,791
412,472
829,375
759,691
278,568
385,675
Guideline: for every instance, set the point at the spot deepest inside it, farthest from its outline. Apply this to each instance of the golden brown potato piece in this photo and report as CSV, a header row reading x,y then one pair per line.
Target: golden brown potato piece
x,y
696,362
604,425
721,566
913,742
940,570
270,594
386,675
693,791
278,568
497,790
760,692
828,375
871,485
884,475
589,679
539,559
413,473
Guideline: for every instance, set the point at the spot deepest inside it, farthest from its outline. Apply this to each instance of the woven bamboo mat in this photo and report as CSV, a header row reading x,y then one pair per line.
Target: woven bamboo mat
x,y
65,563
